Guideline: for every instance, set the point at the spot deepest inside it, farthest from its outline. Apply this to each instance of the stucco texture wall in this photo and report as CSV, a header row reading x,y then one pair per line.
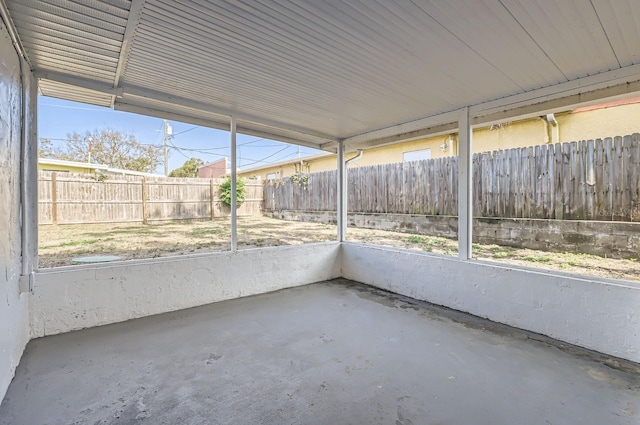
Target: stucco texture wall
x,y
599,123
13,305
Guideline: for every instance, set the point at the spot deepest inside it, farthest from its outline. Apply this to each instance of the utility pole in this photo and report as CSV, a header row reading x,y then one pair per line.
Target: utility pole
x,y
167,132
90,147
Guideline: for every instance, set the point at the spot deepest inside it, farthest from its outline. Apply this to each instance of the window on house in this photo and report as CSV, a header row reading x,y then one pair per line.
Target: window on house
x,y
271,176
416,155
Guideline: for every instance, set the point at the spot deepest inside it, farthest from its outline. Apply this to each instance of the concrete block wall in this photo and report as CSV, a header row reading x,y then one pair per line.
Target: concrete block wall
x,y
604,238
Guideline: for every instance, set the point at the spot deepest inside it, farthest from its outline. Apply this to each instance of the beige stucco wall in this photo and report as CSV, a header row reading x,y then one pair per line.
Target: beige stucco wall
x,y
573,126
599,123
66,168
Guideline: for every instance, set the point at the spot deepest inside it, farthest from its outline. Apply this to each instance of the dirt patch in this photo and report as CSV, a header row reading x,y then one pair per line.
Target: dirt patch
x,y
60,244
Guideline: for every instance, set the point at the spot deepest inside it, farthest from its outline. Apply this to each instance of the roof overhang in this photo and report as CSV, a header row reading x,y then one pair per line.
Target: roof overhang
x,y
317,73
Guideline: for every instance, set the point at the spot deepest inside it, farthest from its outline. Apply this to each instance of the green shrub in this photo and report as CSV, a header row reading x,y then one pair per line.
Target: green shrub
x,y
225,192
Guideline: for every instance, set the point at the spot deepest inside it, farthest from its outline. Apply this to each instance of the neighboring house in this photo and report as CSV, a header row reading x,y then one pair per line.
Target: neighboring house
x,y
604,120
59,165
214,170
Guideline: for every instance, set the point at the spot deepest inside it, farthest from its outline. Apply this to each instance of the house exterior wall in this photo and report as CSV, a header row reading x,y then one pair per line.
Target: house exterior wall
x,y
599,123
66,168
14,324
573,126
214,170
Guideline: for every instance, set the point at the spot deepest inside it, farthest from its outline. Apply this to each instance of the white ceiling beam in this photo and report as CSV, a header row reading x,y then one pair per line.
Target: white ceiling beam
x,y
282,131
13,32
593,89
132,22
433,131
405,128
134,108
164,114
209,108
558,91
607,94
84,83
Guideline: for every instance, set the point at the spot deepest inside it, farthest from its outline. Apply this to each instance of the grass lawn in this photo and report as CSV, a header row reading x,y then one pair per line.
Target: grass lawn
x,y
58,245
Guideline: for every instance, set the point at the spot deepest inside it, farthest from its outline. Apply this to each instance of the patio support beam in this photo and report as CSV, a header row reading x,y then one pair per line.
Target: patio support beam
x,y
342,194
135,11
234,180
465,185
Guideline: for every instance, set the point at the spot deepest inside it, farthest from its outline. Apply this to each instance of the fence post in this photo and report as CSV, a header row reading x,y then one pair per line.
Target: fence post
x,y
212,192
145,195
54,198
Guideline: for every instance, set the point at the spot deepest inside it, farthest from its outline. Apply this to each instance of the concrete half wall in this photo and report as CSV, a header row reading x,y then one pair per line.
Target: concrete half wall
x,y
70,298
602,316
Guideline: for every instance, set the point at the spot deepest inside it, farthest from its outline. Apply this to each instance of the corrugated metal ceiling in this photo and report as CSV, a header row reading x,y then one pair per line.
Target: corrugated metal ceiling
x,y
319,71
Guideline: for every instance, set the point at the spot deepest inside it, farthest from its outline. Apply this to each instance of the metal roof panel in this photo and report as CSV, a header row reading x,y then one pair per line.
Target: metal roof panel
x,y
322,71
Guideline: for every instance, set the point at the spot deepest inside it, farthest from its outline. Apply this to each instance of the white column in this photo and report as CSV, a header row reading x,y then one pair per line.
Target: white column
x,y
341,194
29,177
465,185
234,179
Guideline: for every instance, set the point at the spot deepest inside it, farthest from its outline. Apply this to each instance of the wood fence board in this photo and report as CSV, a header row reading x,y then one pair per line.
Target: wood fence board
x,y
589,180
634,184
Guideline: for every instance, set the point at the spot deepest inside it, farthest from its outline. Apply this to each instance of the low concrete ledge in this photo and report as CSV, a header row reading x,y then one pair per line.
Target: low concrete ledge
x,y
613,239
71,298
602,315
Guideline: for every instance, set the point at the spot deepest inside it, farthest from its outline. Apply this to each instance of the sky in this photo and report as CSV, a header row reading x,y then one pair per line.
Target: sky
x,y
58,118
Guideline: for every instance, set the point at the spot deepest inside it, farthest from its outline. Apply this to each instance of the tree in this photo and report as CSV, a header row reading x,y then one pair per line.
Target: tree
x,y
188,169
108,147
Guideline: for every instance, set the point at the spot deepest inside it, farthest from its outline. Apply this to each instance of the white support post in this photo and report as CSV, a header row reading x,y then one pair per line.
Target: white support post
x,y
29,177
342,194
234,179
465,185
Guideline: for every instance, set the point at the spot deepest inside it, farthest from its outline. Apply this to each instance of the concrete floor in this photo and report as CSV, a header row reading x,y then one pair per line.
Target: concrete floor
x,y
329,353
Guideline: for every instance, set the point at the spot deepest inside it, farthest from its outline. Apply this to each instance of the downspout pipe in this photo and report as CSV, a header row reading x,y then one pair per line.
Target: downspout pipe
x,y
355,158
554,129
342,191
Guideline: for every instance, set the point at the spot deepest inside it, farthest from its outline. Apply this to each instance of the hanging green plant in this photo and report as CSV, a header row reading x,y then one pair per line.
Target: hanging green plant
x,y
301,179
225,192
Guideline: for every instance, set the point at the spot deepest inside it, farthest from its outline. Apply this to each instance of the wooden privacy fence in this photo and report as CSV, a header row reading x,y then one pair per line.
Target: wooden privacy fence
x,y
588,180
73,199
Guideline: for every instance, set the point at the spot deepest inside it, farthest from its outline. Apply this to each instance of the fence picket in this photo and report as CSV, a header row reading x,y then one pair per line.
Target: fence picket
x,y
589,180
575,180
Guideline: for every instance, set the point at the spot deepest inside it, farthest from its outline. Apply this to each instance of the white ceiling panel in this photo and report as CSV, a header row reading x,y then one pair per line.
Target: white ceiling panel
x,y
316,71
79,39
622,22
569,32
480,26
73,93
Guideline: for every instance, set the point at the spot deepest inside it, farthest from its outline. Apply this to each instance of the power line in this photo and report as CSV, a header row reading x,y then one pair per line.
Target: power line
x,y
207,151
185,131
269,156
